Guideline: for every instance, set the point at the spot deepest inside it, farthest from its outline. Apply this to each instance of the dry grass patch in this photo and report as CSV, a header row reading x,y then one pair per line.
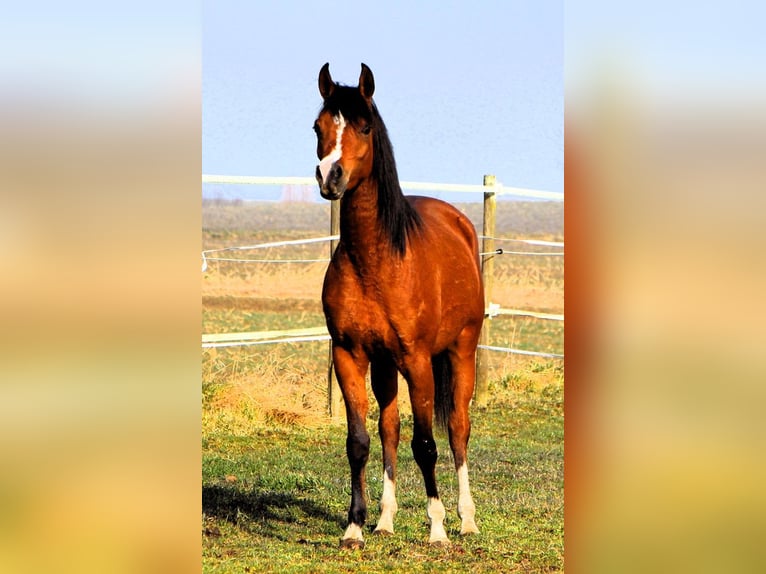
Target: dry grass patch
x,y
251,391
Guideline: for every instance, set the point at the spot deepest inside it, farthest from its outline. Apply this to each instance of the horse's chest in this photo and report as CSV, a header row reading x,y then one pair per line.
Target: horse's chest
x,y
356,314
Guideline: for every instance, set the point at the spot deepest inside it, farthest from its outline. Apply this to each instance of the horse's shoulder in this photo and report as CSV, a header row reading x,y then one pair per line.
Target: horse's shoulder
x,y
444,219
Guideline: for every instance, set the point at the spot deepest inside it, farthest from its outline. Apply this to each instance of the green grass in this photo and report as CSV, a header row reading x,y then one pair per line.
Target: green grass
x,y
275,475
275,498
266,316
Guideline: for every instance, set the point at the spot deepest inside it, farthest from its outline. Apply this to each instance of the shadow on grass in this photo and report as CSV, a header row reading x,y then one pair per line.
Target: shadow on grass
x,y
275,514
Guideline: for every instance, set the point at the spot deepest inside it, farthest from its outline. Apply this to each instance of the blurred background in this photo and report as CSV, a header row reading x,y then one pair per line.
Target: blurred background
x,y
99,242
100,233
665,222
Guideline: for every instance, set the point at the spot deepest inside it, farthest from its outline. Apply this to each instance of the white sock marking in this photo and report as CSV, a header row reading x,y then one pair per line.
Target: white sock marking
x,y
465,506
388,506
327,161
353,532
436,514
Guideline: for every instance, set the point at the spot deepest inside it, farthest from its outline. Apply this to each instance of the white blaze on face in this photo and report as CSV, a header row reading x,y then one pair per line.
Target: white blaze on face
x,y
335,154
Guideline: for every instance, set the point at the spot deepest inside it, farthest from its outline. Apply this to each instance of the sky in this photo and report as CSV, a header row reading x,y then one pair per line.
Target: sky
x,y
465,88
110,217
683,46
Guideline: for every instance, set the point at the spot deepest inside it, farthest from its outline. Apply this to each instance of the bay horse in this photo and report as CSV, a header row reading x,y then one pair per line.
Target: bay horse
x,y
403,292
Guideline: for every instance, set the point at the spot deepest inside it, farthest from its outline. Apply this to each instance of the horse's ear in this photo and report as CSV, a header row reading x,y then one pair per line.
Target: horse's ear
x,y
326,85
366,83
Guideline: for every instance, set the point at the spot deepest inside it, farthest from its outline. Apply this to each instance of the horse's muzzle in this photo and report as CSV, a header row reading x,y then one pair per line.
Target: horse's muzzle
x,y
335,184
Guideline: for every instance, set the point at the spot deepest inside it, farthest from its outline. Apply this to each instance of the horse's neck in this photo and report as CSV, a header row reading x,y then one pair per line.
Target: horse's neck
x,y
359,226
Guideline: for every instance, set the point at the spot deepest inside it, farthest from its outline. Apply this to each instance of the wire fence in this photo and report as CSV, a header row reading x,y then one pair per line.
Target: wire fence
x,y
320,333
225,254
206,254
490,190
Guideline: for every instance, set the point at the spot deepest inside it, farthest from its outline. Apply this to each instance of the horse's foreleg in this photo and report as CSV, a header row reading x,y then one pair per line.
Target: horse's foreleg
x,y
464,376
466,509
420,379
385,387
350,370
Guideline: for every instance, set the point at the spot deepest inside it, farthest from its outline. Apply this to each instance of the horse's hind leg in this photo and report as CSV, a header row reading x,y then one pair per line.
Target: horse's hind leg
x,y
463,361
350,370
385,387
420,379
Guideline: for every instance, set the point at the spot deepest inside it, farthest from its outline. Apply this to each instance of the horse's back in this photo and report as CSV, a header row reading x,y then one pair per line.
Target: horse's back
x,y
446,221
448,230
448,240
430,296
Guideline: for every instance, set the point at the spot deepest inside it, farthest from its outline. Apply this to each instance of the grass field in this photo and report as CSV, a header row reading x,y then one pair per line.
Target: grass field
x,y
275,476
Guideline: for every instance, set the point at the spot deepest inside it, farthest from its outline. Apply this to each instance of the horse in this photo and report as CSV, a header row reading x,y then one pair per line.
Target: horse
x,y
402,293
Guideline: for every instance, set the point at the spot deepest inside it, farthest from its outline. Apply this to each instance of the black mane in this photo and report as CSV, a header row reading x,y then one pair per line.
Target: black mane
x,y
396,216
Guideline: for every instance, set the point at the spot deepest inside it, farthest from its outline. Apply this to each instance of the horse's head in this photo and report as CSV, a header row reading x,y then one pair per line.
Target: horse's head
x,y
344,130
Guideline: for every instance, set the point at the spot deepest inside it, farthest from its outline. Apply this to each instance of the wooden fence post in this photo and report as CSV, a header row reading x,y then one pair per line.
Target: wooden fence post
x,y
487,272
334,397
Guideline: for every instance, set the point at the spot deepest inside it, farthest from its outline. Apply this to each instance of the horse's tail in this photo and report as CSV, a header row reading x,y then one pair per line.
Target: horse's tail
x,y
443,400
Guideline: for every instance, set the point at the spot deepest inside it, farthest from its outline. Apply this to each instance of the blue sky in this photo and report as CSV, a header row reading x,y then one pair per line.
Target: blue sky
x,y
696,52
114,55
465,88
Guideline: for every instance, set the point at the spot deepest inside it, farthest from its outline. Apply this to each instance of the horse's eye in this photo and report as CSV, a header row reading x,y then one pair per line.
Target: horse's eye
x,y
366,129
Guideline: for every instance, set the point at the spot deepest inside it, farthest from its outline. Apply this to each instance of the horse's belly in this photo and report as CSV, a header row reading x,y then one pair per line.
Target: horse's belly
x,y
401,320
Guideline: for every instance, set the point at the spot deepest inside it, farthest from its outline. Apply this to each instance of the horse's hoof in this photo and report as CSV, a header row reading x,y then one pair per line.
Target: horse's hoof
x,y
351,544
440,543
382,532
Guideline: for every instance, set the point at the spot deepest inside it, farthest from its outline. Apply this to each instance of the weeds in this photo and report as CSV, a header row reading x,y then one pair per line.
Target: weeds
x,y
275,494
275,475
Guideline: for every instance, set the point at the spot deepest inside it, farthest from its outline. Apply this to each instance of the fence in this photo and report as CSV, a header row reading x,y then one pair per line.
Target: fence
x,y
490,190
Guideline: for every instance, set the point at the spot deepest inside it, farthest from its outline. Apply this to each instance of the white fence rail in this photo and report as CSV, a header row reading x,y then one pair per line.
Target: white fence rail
x,y
498,188
490,190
